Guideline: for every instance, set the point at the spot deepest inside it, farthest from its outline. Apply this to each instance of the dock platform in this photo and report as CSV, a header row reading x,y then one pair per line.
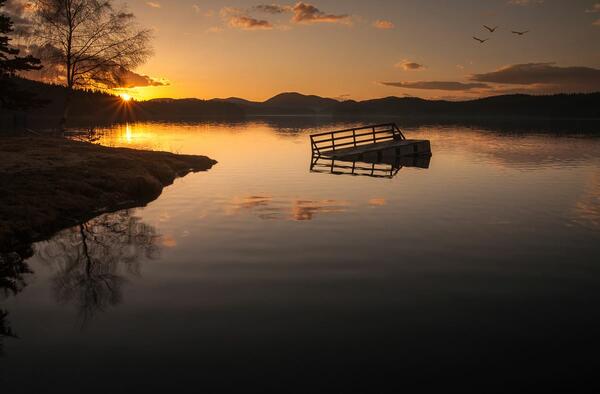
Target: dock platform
x,y
382,140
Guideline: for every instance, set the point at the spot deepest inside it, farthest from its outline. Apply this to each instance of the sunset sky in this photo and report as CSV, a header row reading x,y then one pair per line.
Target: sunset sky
x,y
366,49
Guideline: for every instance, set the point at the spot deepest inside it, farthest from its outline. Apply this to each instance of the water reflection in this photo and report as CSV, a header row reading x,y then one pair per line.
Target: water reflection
x,y
92,260
5,330
435,265
269,208
375,167
12,281
306,210
587,208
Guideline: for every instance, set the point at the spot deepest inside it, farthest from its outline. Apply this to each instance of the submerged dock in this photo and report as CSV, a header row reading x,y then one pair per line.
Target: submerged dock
x,y
375,142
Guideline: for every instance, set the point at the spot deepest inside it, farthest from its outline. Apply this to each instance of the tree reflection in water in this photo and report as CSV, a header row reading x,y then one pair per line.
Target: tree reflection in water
x,y
93,259
12,271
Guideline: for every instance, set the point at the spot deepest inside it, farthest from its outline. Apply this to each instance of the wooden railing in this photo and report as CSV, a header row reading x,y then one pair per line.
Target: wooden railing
x,y
359,136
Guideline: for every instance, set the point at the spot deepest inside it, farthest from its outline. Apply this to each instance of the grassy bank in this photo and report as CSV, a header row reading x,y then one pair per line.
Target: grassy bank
x,y
47,184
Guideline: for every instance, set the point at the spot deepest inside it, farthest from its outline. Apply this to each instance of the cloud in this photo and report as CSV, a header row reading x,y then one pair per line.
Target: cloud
x,y
249,23
272,8
308,13
20,12
595,8
383,24
198,10
153,4
438,85
545,75
238,19
407,65
129,79
525,2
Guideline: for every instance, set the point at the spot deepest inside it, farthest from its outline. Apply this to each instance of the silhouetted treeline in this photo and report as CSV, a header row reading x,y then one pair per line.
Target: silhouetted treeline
x,y
99,107
518,105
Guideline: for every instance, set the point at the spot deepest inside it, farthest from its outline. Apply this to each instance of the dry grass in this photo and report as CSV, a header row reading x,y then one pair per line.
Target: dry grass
x,y
47,184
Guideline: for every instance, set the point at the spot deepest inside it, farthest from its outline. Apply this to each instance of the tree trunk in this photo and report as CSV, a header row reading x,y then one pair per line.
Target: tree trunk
x,y
66,108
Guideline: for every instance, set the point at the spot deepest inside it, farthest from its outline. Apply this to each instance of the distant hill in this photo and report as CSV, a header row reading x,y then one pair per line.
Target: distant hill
x,y
299,101
100,107
554,106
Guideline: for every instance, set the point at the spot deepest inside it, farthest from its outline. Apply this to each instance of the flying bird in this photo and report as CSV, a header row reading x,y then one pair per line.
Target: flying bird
x,y
491,29
520,32
480,40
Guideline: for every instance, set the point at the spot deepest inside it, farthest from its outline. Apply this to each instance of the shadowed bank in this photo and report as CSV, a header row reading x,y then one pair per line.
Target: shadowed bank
x,y
47,184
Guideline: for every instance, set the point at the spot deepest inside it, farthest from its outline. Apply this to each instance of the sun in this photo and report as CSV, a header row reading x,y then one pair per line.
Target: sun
x,y
125,97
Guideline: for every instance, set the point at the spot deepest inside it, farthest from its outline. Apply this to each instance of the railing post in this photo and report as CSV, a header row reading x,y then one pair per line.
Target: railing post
x,y
354,136
374,140
333,141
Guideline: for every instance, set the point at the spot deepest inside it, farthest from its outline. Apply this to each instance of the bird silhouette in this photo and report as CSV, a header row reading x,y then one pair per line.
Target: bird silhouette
x,y
520,32
491,29
480,40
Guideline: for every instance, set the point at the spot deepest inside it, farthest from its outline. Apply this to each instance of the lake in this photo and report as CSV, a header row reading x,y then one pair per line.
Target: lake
x,y
478,268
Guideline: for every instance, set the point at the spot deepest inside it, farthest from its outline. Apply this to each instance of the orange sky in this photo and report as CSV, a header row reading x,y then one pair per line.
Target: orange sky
x,y
211,48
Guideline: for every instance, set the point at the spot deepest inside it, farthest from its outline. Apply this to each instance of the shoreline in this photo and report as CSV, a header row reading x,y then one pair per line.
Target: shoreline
x,y
49,184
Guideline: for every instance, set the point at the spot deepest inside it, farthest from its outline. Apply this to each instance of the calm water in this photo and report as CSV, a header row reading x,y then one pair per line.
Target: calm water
x,y
481,270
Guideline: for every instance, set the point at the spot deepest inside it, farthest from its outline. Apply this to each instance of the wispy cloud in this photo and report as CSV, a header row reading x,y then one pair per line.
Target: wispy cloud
x,y
438,85
238,19
383,24
153,4
308,13
272,8
214,29
249,23
408,65
595,8
525,2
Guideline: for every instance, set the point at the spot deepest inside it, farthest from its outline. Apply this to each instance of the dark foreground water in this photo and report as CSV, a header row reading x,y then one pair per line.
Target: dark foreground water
x,y
480,272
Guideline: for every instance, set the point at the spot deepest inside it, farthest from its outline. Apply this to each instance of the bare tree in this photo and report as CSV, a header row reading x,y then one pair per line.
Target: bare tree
x,y
91,43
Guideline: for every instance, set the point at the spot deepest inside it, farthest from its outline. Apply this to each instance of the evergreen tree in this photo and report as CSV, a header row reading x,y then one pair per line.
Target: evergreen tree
x,y
10,64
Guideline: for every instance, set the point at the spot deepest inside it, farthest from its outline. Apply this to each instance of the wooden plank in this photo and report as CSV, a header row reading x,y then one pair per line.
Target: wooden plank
x,y
375,147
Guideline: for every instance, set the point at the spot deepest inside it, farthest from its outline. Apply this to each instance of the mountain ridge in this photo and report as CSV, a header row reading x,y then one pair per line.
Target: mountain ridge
x,y
92,105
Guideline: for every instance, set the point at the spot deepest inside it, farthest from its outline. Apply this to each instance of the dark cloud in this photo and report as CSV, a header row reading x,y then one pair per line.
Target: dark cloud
x,y
438,85
308,13
272,8
129,79
407,65
20,12
546,75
